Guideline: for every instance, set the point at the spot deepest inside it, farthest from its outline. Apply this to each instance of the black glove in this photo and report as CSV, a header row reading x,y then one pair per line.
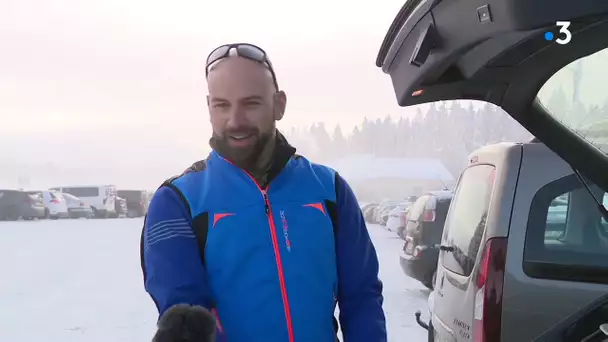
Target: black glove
x,y
186,323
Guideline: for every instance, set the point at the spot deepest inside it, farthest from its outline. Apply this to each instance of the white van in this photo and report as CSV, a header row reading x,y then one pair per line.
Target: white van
x,y
101,198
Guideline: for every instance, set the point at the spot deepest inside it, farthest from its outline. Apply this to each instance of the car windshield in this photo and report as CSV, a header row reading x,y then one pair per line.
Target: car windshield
x,y
576,96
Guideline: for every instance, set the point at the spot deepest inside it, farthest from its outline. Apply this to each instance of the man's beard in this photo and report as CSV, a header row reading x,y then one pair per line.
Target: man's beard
x,y
244,157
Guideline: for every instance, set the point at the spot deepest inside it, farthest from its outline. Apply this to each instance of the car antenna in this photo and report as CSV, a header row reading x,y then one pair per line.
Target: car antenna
x,y
600,206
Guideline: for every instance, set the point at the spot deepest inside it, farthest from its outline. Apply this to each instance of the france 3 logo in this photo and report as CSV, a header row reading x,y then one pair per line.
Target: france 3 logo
x,y
563,36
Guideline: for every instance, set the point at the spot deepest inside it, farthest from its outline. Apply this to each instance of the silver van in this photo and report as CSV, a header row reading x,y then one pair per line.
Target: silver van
x,y
525,243
511,263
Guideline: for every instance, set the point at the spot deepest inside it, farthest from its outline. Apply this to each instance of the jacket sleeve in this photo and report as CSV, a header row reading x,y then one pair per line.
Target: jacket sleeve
x,y
173,270
360,290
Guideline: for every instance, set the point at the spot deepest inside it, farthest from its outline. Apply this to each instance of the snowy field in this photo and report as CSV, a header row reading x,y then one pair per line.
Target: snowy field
x,y
80,280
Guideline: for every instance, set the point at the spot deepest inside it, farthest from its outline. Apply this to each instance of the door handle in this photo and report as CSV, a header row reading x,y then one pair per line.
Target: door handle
x,y
446,248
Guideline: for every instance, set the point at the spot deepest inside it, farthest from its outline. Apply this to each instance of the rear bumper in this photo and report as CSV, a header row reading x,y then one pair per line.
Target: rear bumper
x,y
60,214
420,268
33,212
80,212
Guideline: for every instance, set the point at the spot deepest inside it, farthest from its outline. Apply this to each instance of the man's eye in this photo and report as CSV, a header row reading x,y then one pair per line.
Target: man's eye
x,y
252,103
220,105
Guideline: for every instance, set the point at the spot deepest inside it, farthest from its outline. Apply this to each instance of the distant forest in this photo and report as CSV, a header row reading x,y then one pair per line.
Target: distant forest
x,y
449,131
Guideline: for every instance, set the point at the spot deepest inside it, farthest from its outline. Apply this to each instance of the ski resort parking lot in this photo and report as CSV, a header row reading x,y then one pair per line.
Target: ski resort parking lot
x,y
80,280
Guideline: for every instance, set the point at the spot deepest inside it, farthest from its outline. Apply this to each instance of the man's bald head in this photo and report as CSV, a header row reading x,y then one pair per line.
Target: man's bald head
x,y
235,69
244,105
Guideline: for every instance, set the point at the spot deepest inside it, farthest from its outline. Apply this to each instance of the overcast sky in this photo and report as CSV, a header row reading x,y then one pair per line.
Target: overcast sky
x,y
80,77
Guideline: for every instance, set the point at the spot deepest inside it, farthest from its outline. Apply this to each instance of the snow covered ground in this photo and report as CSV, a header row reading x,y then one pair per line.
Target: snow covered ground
x,y
80,280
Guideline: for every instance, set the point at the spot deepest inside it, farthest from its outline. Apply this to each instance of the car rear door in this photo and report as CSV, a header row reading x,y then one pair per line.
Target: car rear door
x,y
413,227
516,55
464,229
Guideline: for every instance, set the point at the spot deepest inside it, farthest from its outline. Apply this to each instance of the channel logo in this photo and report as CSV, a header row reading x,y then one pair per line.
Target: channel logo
x,y
563,36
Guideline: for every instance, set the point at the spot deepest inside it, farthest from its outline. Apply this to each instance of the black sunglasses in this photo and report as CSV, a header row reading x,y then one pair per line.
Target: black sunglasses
x,y
245,50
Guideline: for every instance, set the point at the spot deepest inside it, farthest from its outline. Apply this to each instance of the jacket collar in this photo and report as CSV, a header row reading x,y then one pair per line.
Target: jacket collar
x,y
282,153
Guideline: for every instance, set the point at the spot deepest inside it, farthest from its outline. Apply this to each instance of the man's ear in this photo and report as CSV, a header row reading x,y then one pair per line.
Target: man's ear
x,y
280,103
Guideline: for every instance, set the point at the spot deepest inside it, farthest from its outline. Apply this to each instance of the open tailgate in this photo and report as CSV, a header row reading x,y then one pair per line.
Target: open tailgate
x,y
496,51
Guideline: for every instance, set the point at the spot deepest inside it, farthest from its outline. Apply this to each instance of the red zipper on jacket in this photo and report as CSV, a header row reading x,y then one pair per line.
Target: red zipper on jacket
x,y
277,251
277,256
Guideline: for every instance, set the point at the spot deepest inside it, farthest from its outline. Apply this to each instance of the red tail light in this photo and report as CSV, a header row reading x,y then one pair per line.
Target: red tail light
x,y
428,216
488,298
82,204
54,201
418,251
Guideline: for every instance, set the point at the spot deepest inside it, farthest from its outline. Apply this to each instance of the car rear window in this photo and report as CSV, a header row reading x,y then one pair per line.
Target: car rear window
x,y
82,192
55,196
417,209
566,237
466,220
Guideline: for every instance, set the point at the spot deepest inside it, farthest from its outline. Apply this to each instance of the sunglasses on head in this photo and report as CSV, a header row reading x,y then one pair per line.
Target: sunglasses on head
x,y
244,50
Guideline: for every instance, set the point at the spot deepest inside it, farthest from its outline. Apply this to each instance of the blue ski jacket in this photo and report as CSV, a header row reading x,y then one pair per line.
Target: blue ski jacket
x,y
270,261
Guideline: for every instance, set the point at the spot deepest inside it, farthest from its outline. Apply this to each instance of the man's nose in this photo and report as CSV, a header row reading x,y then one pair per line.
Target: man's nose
x,y
238,116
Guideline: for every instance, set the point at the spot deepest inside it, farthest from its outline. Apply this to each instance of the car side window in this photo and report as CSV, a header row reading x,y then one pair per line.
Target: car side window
x,y
557,216
566,237
465,224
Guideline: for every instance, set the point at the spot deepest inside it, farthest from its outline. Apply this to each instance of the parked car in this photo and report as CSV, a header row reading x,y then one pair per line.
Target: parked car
x,y
500,236
422,235
499,277
120,208
385,212
403,223
16,204
54,203
382,210
137,202
369,213
395,217
101,198
77,208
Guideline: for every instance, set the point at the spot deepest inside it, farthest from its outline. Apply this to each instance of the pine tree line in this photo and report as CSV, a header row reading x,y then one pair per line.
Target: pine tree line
x,y
449,131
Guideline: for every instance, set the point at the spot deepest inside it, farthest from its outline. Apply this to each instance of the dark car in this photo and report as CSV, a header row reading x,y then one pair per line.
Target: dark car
x,y
16,204
137,202
422,233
